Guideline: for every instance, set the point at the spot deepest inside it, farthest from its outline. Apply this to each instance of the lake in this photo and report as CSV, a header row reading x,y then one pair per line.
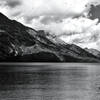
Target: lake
x,y
58,81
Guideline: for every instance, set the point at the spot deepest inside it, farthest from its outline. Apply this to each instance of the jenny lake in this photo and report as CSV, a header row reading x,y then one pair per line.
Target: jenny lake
x,y
50,81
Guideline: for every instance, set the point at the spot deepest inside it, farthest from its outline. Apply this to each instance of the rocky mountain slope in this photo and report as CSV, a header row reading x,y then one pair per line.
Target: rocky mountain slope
x,y
19,43
94,52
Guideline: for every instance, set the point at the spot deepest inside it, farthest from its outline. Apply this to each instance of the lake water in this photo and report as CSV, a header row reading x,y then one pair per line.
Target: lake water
x,y
50,81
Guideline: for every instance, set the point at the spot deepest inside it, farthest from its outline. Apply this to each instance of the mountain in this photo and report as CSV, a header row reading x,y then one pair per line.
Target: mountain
x,y
94,52
19,43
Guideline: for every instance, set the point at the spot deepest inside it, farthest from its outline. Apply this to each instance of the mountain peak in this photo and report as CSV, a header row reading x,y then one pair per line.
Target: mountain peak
x,y
3,18
2,15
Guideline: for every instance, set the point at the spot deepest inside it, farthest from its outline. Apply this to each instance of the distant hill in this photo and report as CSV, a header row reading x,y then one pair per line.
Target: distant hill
x,y
19,43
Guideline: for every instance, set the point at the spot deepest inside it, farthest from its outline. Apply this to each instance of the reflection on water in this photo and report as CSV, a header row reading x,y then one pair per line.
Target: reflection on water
x,y
50,82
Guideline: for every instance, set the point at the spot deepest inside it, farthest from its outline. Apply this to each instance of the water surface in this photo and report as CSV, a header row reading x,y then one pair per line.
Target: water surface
x,y
50,81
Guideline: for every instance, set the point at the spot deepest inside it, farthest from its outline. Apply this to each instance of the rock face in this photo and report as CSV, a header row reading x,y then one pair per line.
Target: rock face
x,y
19,43
94,52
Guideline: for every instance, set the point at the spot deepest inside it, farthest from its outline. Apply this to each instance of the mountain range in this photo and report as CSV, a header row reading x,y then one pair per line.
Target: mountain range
x,y
19,43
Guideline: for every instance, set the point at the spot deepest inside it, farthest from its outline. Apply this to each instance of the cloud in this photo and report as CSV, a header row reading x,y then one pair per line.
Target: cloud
x,y
11,3
28,9
94,12
55,8
89,38
67,26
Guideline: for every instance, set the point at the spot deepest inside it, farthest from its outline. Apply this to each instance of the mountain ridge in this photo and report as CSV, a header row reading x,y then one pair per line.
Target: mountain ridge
x,y
94,52
20,43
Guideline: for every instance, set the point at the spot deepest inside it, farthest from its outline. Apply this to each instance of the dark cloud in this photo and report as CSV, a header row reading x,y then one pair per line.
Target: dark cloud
x,y
16,14
28,19
12,3
94,37
49,19
94,12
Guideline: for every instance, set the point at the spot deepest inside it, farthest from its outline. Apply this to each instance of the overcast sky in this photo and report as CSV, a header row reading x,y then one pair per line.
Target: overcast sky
x,y
74,21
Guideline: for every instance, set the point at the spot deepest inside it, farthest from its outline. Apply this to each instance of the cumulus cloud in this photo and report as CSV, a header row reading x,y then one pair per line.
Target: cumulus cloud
x,y
10,3
89,36
68,26
55,8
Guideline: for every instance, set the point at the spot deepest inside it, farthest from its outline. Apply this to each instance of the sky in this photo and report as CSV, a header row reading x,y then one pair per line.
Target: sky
x,y
73,21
